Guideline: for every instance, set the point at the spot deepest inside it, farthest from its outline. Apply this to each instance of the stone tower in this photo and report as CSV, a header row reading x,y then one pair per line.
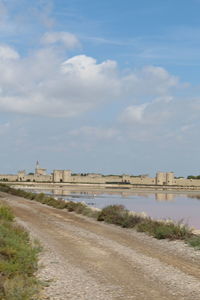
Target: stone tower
x,y
39,170
160,178
170,178
37,166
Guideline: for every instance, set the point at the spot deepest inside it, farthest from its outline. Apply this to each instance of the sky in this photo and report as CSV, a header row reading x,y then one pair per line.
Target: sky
x,y
110,87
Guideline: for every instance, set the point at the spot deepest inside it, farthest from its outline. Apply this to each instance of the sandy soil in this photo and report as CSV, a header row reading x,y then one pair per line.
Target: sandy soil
x,y
85,259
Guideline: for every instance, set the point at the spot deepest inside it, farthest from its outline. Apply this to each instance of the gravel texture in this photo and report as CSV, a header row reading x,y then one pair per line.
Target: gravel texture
x,y
85,259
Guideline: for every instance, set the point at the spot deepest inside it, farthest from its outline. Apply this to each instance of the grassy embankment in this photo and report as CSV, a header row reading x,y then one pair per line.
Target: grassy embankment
x,y
117,214
18,260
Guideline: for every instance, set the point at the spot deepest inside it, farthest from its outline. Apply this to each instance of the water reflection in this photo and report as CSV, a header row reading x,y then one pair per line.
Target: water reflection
x,y
164,205
195,196
164,197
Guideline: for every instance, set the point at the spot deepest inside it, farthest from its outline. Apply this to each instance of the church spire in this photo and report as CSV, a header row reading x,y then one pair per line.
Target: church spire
x,y
37,164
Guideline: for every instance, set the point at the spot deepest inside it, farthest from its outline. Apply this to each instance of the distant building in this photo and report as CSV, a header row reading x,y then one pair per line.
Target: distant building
x,y
38,170
162,179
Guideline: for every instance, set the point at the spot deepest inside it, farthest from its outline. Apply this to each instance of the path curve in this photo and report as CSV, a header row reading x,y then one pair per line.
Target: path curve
x,y
87,260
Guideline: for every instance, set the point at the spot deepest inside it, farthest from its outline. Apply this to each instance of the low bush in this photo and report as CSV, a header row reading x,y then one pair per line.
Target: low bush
x,y
131,221
165,230
77,207
117,214
17,288
80,208
113,214
194,241
6,213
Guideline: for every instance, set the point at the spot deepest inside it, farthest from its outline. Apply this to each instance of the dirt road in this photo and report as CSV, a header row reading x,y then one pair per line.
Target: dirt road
x,y
85,259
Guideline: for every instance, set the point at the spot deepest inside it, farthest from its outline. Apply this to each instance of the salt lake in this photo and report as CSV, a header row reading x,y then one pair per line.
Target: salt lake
x,y
183,207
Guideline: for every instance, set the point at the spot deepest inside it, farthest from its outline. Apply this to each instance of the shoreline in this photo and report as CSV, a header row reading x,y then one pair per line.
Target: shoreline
x,y
195,229
106,187
65,190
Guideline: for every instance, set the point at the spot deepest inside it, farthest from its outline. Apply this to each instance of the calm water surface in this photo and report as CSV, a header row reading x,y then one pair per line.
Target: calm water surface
x,y
178,207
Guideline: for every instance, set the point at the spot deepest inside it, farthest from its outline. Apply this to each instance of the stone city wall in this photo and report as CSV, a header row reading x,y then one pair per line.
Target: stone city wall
x,y
58,176
186,182
38,178
142,180
8,177
22,178
88,179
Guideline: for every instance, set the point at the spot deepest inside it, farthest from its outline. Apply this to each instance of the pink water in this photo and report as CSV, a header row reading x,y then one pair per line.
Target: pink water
x,y
185,207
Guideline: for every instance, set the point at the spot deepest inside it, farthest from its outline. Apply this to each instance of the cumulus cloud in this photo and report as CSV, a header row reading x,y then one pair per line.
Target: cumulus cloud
x,y
69,40
152,88
152,113
134,113
7,53
165,119
150,81
44,83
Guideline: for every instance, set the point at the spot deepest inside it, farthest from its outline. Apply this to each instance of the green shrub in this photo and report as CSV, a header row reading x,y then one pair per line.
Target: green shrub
x,y
87,211
20,288
130,221
113,214
164,230
79,207
70,206
117,214
18,260
6,213
194,241
146,226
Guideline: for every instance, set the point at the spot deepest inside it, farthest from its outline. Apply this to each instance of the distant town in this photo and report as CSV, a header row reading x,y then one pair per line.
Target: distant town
x,y
40,175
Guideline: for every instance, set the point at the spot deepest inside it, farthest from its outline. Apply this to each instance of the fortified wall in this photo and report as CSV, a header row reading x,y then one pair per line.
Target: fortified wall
x,y
161,179
65,176
39,175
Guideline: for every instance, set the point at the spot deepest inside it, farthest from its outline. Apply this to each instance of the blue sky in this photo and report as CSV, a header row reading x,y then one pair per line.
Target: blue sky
x,y
100,86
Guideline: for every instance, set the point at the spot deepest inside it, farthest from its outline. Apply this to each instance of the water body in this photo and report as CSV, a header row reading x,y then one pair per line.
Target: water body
x,y
158,205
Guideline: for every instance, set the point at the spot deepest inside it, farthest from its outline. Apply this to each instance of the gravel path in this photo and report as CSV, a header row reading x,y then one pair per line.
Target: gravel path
x,y
85,259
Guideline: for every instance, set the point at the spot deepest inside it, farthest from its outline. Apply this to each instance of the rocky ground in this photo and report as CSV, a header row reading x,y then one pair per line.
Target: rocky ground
x,y
87,260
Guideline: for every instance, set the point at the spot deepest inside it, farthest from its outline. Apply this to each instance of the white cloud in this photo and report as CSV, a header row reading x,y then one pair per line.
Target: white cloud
x,y
42,85
150,81
134,113
7,53
153,113
69,40
46,84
